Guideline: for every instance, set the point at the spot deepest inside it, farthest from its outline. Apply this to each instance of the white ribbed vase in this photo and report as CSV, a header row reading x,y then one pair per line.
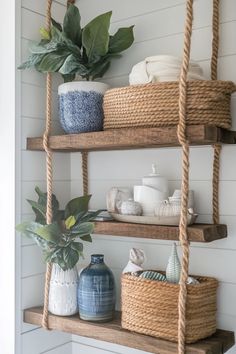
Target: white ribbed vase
x,y
173,269
63,291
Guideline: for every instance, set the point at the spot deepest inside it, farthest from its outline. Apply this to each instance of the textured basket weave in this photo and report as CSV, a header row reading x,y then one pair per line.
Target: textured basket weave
x,y
157,105
151,307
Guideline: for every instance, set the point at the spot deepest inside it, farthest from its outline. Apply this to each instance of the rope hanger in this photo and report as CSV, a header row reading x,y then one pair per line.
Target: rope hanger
x,y
185,161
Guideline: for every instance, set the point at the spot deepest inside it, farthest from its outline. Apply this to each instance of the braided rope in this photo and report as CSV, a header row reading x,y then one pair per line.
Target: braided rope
x,y
183,236
215,39
216,147
49,171
85,172
215,183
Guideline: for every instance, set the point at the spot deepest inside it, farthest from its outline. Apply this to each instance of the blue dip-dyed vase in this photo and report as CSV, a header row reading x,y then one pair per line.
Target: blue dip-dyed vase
x,y
96,291
80,106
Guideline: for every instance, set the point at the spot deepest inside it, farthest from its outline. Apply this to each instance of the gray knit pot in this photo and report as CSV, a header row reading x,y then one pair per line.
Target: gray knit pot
x,y
80,106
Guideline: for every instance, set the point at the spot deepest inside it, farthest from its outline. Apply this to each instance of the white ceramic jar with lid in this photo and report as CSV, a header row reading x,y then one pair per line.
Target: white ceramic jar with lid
x,y
155,180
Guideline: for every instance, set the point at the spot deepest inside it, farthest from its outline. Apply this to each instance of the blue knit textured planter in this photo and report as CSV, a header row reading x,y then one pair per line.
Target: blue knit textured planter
x,y
80,106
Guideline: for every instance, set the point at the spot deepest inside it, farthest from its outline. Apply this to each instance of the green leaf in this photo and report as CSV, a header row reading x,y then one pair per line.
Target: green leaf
x,y
71,24
50,233
87,238
90,216
44,33
95,36
33,60
57,25
52,62
43,47
121,40
40,207
77,246
83,229
77,205
69,77
99,70
70,257
39,210
72,65
70,221
28,230
57,35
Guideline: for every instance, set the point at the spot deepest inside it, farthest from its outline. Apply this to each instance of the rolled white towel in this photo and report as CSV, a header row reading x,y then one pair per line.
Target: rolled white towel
x,y
162,68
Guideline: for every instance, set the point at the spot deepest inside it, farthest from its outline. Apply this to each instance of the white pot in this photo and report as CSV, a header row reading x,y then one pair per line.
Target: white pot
x,y
63,291
80,106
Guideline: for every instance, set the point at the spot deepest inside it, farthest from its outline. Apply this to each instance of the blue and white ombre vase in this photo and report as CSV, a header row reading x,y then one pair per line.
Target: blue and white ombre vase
x,y
80,106
96,291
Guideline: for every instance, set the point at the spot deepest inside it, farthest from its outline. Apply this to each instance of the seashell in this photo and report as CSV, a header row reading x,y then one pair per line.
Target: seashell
x,y
173,269
115,197
136,259
137,256
149,274
130,207
192,280
132,268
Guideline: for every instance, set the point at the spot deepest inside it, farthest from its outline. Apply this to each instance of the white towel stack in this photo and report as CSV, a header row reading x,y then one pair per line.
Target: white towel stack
x,y
162,68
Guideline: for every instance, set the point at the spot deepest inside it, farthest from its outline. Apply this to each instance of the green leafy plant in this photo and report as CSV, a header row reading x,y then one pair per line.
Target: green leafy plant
x,y
72,50
60,239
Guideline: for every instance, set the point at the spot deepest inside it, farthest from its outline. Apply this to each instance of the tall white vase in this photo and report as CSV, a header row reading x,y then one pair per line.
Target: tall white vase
x,y
173,269
63,291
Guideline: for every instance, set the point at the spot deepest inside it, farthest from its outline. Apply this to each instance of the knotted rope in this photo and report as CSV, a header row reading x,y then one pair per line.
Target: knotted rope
x,y
49,171
183,236
216,147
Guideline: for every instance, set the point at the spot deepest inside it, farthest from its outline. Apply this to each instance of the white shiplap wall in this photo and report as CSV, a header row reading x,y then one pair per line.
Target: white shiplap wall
x,y
32,340
159,30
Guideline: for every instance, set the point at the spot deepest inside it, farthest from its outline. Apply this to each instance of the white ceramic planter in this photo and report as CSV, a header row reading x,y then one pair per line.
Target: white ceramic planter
x,y
80,106
63,291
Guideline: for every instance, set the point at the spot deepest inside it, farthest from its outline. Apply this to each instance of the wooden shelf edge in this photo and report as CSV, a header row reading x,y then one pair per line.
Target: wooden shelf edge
x,y
196,232
138,138
112,332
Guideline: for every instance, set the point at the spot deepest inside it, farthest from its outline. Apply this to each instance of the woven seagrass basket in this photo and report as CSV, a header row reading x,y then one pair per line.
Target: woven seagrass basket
x,y
157,105
151,307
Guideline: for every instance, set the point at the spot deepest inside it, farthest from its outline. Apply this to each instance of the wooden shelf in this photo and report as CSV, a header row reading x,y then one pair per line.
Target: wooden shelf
x,y
135,138
196,232
113,333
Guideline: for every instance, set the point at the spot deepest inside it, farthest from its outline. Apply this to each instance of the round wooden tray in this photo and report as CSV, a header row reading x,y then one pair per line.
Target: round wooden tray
x,y
153,220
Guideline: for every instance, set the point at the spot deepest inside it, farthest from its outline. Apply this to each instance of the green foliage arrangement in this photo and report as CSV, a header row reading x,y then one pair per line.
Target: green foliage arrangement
x,y
59,240
72,50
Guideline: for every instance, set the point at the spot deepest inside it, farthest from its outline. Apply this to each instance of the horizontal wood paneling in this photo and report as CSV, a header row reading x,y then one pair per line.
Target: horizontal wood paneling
x,y
63,349
120,165
33,101
33,340
40,341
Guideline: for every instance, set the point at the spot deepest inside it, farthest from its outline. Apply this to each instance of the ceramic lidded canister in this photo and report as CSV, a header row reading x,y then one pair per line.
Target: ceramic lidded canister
x,y
155,180
152,192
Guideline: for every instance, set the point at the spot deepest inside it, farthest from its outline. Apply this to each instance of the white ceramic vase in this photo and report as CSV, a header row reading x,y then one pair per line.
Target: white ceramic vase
x,y
63,291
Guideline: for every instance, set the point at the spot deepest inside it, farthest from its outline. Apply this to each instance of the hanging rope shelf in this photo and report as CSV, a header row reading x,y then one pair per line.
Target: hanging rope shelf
x,y
185,137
